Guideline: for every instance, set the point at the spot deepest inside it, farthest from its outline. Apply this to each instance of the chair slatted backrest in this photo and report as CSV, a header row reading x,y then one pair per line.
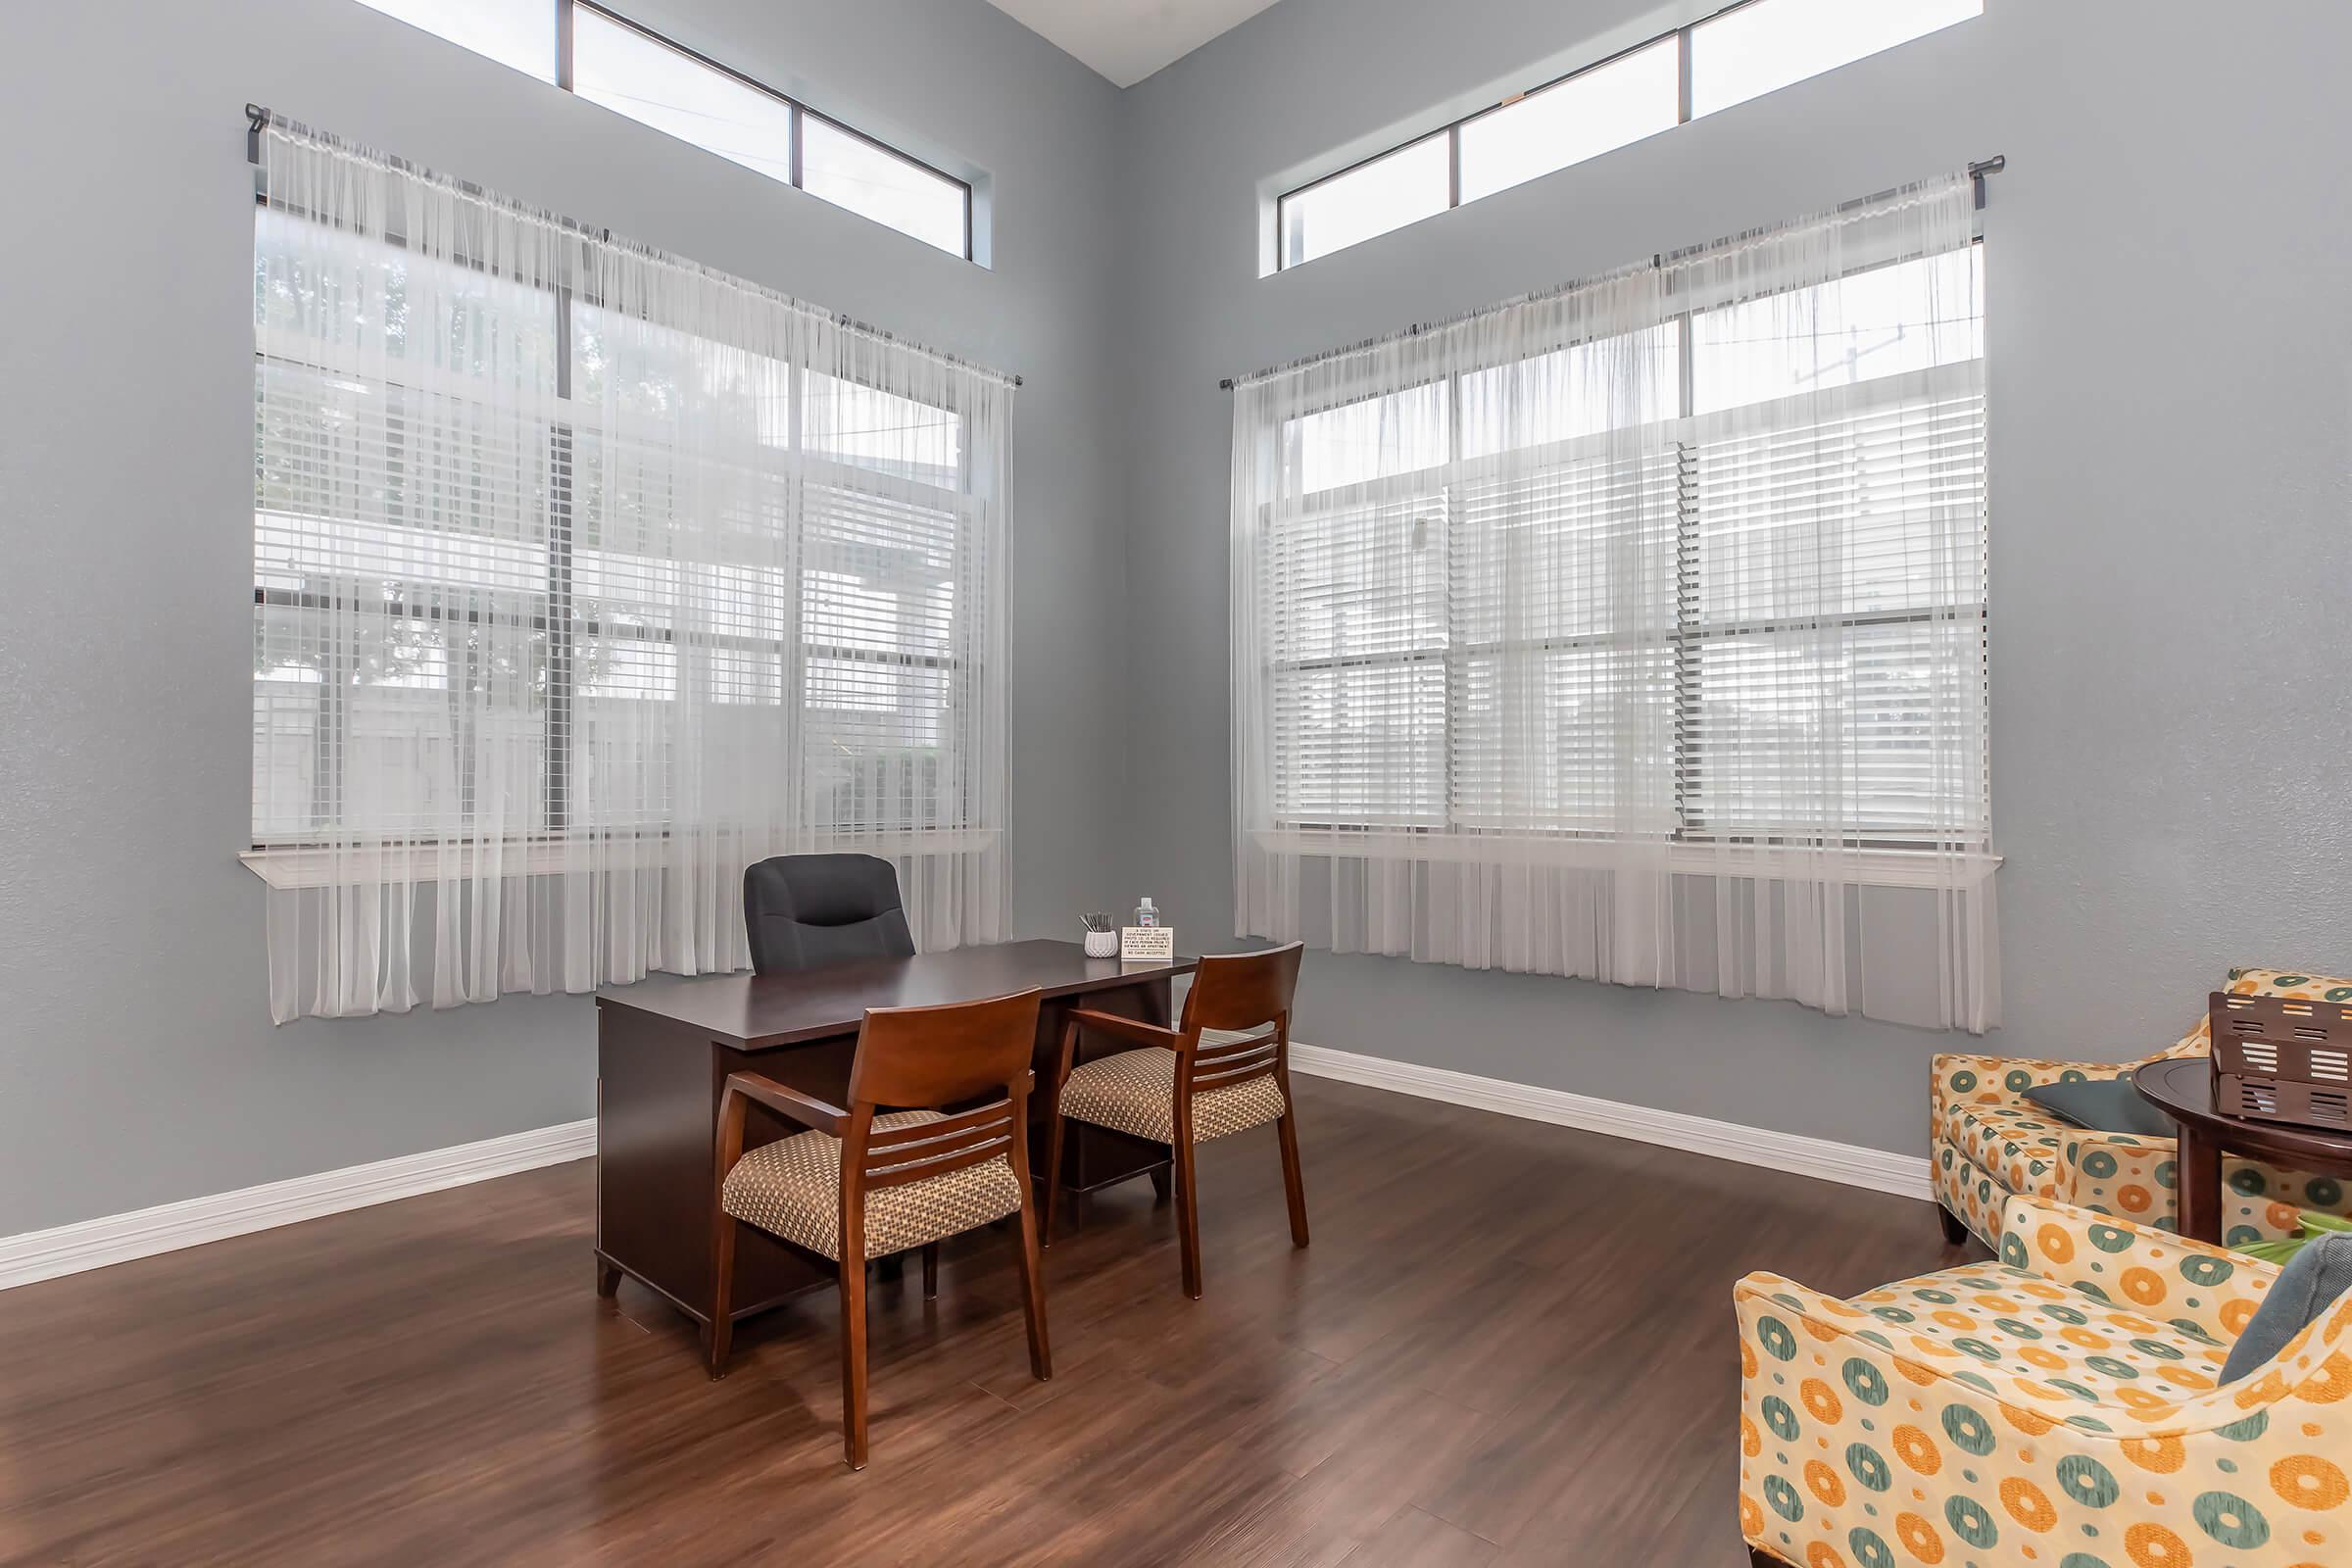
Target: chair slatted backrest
x,y
1246,992
929,1058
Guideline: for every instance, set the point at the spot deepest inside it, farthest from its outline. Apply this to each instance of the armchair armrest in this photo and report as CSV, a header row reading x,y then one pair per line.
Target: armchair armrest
x,y
2115,1174
790,1104
1135,1029
1958,1078
2209,1291
1109,1024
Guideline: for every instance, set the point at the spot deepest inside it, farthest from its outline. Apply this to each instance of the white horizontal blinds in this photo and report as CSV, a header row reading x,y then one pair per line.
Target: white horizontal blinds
x,y
1835,695
1355,584
1847,523
585,576
400,531
1679,573
1462,602
890,583
1359,620
1553,656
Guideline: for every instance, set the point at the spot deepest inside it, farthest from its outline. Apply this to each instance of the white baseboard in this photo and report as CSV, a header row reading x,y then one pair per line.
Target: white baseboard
x,y
143,1233
1904,1175
191,1222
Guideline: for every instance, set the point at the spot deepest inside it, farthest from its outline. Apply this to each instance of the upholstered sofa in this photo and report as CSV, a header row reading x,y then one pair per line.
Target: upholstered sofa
x,y
2061,1407
1988,1142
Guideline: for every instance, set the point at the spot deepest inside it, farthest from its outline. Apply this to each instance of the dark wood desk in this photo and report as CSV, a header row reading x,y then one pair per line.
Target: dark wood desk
x,y
2182,1087
666,1045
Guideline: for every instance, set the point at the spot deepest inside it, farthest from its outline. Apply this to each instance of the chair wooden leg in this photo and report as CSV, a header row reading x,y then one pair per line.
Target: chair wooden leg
x,y
931,1272
1955,1229
720,1334
1033,1298
608,1277
852,1361
1294,1187
1159,1185
1188,1214
1758,1558
1053,1125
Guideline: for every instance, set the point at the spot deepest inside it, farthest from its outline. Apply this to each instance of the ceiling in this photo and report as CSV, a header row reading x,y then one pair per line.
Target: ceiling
x,y
1126,40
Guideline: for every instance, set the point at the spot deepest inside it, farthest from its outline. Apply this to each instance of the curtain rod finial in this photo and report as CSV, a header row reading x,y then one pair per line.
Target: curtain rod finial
x,y
1225,385
1982,167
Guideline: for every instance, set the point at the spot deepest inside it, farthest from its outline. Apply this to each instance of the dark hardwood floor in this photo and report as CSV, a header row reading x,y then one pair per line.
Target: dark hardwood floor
x,y
1510,1343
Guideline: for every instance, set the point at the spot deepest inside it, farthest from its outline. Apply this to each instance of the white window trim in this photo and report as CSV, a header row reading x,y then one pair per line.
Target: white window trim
x,y
303,867
1872,867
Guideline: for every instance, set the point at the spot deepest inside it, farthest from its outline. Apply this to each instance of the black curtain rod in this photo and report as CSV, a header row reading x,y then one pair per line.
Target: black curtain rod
x,y
257,117
1977,172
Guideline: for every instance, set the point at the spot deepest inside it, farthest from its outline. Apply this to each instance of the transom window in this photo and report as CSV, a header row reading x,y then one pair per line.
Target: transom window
x,y
1739,52
604,56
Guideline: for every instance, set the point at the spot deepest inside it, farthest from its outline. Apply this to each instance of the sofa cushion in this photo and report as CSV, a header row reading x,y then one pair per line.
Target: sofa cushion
x,y
2044,1347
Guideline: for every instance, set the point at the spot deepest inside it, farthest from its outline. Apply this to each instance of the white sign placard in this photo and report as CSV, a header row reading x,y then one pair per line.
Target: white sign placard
x,y
1146,944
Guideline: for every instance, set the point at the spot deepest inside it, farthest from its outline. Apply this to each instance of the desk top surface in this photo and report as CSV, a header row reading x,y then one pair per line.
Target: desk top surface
x,y
784,1010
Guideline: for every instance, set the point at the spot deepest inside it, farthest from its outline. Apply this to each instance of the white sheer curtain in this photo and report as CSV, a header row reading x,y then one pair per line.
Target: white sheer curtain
x,y
585,576
1636,631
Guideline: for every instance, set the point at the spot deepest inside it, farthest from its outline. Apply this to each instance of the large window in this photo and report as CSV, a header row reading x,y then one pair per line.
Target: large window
x,y
517,523
1739,519
583,577
1737,54
603,55
1636,630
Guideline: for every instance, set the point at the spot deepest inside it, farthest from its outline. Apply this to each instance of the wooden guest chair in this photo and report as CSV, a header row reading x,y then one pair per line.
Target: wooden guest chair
x,y
1226,1066
896,1179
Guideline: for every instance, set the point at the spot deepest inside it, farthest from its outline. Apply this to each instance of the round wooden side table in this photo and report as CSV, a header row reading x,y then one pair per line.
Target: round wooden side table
x,y
2182,1087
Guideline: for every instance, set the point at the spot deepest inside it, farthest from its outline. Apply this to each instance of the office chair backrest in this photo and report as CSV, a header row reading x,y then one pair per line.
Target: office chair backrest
x,y
805,910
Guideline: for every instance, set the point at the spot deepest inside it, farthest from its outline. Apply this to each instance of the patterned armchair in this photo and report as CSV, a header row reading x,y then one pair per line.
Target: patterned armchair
x,y
1988,1142
2060,1407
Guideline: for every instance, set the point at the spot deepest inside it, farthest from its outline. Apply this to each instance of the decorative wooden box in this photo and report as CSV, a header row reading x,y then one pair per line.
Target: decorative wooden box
x,y
2283,1058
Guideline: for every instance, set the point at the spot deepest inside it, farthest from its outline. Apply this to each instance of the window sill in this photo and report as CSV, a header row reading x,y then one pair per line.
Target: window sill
x,y
318,866
1887,869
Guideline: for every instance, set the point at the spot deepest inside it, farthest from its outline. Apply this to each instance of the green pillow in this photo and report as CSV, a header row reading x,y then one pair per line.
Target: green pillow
x,y
2103,1105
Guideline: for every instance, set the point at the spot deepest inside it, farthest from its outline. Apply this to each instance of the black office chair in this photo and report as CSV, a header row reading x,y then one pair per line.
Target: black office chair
x,y
803,910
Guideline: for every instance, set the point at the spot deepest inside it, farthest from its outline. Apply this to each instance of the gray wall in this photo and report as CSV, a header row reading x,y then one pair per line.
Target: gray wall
x,y
137,1062
2168,347
2170,437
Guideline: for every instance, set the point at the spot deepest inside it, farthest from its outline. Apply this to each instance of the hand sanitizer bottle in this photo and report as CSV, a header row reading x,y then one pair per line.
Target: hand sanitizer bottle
x,y
1145,914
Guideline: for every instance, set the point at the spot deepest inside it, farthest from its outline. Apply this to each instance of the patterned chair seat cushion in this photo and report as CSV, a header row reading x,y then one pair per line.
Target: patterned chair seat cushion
x,y
1135,1092
792,1188
2021,1146
2100,1365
